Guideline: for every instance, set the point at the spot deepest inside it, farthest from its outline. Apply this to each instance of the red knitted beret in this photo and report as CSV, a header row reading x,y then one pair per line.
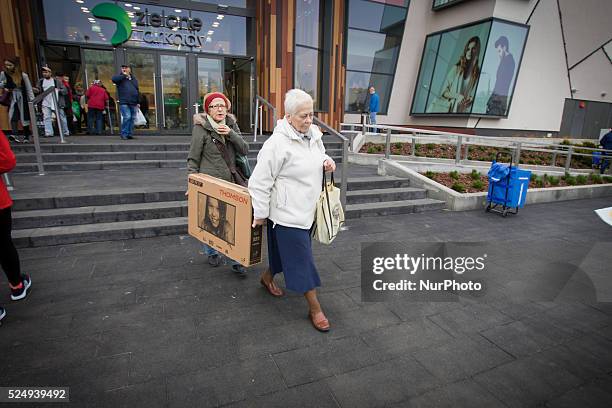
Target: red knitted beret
x,y
214,96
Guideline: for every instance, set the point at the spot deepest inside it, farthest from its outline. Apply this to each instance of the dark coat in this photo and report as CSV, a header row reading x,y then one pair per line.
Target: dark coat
x,y
204,157
127,89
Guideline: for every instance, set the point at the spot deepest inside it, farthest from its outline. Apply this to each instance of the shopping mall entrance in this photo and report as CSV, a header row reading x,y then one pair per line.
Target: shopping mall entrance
x,y
172,84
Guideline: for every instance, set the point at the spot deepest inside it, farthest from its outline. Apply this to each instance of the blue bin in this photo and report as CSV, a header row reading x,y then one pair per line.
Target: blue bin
x,y
510,191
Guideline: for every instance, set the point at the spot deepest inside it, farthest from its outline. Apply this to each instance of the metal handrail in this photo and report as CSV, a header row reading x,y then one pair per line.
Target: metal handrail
x,y
36,100
259,114
345,146
516,146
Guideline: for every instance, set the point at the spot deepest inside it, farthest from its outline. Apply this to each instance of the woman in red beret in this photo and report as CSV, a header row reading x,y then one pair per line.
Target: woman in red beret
x,y
215,135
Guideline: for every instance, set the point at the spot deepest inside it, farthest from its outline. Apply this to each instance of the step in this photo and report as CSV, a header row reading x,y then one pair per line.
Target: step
x,y
328,145
376,182
101,147
111,231
98,214
392,207
101,165
386,194
23,158
94,198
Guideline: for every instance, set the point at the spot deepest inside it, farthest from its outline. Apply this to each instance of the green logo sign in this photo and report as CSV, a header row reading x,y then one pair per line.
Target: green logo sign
x,y
110,11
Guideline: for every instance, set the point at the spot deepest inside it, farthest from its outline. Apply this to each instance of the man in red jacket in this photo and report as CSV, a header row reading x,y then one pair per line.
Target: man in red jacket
x,y
9,258
96,103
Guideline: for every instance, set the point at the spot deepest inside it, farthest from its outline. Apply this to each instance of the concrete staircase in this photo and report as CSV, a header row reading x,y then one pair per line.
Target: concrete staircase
x,y
125,154
125,211
386,195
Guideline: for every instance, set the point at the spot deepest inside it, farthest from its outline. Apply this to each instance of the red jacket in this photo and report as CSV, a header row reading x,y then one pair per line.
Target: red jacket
x,y
96,97
7,163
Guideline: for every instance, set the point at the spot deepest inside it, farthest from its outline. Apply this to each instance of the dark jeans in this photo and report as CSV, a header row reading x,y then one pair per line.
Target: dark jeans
x,y
9,258
15,123
605,163
94,115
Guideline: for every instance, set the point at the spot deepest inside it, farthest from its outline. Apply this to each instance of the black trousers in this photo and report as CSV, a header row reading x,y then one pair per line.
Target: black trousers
x,y
9,258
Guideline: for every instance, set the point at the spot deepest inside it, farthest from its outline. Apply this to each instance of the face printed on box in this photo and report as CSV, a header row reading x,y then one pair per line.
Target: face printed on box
x,y
214,214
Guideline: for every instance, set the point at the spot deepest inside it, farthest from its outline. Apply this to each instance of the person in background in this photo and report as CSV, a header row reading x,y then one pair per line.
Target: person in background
x,y
13,80
284,187
606,143
48,106
373,104
19,283
76,107
212,128
127,91
97,98
69,98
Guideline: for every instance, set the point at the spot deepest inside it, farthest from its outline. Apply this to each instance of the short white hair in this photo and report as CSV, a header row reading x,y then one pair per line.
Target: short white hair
x,y
294,99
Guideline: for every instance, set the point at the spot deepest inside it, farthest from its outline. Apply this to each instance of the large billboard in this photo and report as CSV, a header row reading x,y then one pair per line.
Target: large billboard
x,y
470,70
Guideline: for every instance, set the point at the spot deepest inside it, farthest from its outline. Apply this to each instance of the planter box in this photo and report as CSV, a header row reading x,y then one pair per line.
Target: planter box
x,y
473,201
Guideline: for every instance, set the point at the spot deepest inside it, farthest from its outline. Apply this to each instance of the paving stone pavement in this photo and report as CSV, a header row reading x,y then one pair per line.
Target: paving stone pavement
x,y
148,323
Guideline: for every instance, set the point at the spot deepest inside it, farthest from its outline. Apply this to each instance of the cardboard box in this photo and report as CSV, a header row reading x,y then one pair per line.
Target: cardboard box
x,y
221,215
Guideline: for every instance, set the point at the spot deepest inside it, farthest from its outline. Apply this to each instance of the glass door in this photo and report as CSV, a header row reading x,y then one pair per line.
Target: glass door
x,y
173,93
100,65
210,78
143,67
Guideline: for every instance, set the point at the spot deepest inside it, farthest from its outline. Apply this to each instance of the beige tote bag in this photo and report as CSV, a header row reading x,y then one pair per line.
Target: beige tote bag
x,y
329,216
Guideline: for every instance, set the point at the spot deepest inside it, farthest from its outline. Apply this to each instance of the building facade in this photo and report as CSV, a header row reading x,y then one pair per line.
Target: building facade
x,y
499,67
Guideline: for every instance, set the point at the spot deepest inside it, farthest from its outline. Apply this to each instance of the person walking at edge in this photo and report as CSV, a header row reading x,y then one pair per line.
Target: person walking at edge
x,y
215,127
48,106
373,105
18,83
127,91
284,187
9,258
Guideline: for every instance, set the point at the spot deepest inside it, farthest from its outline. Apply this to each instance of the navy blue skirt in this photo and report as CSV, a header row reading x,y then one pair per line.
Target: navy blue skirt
x,y
290,252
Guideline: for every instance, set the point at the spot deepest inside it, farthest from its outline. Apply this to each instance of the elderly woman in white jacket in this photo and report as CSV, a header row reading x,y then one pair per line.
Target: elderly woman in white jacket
x,y
284,188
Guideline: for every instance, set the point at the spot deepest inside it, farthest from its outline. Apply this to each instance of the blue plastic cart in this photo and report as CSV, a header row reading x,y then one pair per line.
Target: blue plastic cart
x,y
507,188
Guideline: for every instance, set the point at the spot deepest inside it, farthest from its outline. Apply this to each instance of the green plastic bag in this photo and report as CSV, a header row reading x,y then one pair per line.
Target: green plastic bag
x,y
76,109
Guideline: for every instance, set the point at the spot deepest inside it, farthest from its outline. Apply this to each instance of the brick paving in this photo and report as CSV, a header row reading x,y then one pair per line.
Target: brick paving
x,y
148,323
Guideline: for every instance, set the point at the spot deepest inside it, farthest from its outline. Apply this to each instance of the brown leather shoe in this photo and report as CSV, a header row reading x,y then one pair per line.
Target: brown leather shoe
x,y
319,321
272,288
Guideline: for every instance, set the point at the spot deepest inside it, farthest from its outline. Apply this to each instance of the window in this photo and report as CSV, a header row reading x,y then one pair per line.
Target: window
x,y
470,70
440,4
374,38
309,50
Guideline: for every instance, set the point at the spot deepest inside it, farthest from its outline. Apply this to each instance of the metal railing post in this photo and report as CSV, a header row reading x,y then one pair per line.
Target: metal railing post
x,y
413,141
517,153
57,118
363,124
110,119
261,120
344,177
458,151
568,159
388,144
345,154
8,182
34,123
554,159
256,119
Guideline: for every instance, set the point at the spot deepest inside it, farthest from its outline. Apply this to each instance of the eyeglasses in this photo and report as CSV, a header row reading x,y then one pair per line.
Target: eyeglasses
x,y
217,107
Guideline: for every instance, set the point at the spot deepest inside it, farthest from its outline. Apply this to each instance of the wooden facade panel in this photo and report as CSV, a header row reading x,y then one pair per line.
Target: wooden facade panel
x,y
16,39
276,72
